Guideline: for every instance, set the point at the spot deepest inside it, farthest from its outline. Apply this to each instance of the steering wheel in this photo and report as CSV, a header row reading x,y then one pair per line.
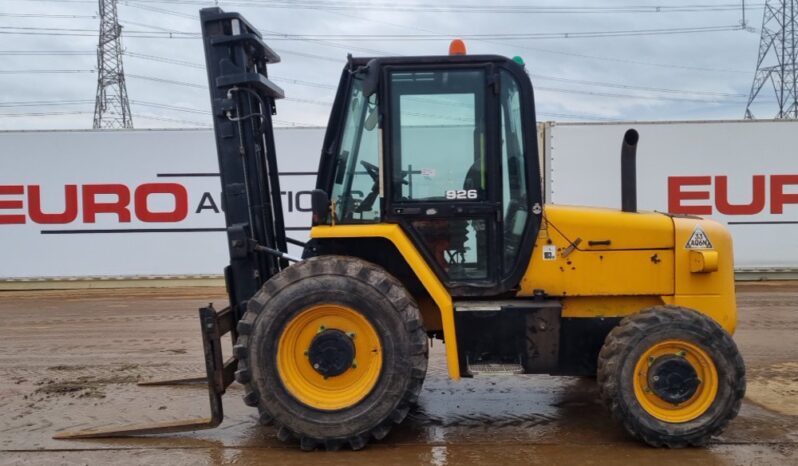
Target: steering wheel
x,y
372,170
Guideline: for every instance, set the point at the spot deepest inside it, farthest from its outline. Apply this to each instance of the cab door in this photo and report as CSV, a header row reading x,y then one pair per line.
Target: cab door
x,y
442,176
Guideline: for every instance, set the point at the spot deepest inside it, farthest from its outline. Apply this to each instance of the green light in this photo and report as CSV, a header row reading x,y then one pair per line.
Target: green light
x,y
519,60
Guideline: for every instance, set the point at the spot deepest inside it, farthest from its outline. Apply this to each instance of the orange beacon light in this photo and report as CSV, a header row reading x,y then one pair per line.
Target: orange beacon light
x,y
457,47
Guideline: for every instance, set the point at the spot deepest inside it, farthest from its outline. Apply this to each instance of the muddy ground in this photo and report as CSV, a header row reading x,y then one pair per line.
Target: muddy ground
x,y
72,359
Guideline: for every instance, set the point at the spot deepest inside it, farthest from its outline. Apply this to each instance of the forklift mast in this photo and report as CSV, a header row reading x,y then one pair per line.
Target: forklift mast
x,y
243,102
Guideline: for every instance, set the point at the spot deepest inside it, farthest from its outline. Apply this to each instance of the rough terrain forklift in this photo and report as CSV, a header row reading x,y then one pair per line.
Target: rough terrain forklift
x,y
428,222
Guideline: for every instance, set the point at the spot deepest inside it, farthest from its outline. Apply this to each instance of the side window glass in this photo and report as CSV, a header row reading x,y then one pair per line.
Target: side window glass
x,y
439,135
514,193
356,185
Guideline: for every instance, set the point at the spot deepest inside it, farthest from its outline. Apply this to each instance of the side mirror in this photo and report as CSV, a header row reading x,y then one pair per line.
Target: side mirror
x,y
320,207
371,78
371,120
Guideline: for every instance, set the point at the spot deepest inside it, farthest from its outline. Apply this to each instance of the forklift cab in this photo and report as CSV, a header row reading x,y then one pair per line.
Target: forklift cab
x,y
446,148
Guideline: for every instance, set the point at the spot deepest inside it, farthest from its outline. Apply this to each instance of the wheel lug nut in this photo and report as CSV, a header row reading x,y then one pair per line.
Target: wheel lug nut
x,y
351,335
656,378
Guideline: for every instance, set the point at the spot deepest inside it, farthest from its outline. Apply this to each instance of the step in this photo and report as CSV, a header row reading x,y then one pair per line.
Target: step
x,y
495,369
505,304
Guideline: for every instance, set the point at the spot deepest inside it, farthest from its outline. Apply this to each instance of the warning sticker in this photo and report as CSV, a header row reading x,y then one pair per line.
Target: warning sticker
x,y
549,252
698,240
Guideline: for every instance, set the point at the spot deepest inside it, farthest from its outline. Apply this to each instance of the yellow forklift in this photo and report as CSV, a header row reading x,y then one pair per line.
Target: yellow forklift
x,y
429,222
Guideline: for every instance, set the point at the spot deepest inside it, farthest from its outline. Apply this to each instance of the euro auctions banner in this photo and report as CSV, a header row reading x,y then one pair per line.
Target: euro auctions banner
x,y
741,173
129,203
148,203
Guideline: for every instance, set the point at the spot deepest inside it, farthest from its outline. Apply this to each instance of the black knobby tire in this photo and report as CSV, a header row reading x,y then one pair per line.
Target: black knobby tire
x,y
383,301
630,339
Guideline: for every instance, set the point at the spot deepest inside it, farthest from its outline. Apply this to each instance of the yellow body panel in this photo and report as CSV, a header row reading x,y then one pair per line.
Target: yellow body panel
x,y
637,261
646,263
710,293
426,276
607,306
625,230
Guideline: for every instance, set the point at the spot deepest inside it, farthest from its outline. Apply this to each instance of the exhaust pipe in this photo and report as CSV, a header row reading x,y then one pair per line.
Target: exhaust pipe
x,y
629,171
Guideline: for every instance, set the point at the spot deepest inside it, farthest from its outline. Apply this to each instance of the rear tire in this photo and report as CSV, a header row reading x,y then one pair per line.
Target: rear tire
x,y
632,365
332,404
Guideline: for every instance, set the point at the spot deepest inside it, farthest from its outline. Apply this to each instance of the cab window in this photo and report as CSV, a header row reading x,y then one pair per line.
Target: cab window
x,y
356,186
514,192
438,120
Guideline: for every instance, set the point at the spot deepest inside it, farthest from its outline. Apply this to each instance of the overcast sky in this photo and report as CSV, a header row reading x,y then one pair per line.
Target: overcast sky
x,y
686,76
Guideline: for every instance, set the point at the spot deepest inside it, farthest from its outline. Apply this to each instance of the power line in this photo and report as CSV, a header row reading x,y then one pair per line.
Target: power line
x,y
521,46
633,87
271,35
302,82
167,81
45,15
151,26
558,52
176,108
633,62
172,120
171,61
43,103
575,116
57,1
44,52
329,43
29,114
202,86
494,8
45,71
49,31
330,86
319,85
624,96
506,36
160,10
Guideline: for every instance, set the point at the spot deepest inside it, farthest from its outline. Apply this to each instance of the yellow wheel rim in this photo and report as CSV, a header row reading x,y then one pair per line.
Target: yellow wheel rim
x,y
701,399
309,386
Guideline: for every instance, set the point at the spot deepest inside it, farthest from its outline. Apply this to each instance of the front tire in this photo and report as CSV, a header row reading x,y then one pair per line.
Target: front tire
x,y
332,351
672,376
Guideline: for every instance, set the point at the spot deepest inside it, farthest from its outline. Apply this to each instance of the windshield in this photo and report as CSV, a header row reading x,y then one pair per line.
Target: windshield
x,y
356,186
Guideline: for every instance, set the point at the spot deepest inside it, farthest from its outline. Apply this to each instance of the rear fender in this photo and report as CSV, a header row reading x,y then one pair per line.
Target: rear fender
x,y
340,237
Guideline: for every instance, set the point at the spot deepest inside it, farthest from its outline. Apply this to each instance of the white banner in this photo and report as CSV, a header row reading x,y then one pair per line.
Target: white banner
x,y
741,173
147,203
129,203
